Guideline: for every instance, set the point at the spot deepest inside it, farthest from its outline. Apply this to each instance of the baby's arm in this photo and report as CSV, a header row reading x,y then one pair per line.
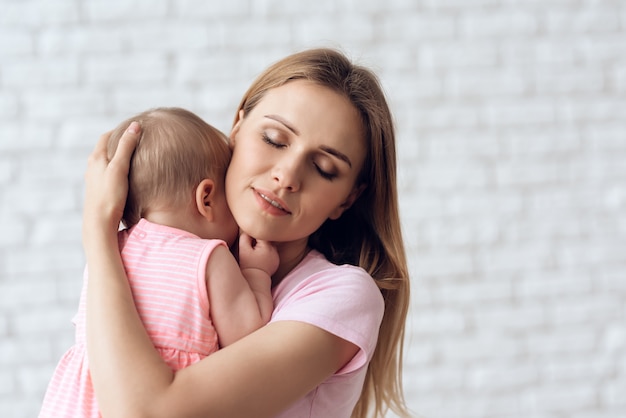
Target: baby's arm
x,y
240,300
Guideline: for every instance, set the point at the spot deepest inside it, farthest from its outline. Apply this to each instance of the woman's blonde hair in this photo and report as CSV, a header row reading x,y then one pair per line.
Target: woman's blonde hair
x,y
177,150
368,234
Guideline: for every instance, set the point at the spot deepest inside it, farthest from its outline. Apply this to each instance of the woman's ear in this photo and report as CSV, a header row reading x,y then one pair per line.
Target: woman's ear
x,y
236,126
352,197
205,193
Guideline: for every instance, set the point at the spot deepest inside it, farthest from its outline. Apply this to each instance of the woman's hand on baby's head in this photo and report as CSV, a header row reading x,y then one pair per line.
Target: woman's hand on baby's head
x,y
106,181
258,254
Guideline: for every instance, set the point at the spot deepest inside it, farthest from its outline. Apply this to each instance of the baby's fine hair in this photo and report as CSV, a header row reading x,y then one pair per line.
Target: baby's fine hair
x,y
176,151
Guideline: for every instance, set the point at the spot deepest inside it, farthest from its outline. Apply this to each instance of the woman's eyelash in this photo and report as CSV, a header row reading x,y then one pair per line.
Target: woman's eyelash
x,y
324,174
269,141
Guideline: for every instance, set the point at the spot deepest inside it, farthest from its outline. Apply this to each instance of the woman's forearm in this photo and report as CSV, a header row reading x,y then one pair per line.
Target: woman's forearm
x,y
119,350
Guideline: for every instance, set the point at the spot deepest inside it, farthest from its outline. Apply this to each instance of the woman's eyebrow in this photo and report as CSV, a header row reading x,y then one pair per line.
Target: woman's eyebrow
x,y
282,121
337,154
331,151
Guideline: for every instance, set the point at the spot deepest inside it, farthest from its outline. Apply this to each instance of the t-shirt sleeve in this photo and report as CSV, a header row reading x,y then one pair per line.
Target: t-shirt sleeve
x,y
343,300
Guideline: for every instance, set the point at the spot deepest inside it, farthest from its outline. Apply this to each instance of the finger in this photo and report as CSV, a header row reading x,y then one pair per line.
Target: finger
x,y
100,150
247,240
126,146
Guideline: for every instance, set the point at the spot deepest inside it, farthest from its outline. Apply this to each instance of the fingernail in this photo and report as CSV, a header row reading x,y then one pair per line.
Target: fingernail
x,y
133,128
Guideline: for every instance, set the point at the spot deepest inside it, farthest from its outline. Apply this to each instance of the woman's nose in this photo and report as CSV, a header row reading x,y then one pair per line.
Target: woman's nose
x,y
287,173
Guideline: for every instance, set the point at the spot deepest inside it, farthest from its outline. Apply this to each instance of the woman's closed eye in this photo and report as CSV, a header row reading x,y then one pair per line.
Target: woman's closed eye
x,y
271,142
325,173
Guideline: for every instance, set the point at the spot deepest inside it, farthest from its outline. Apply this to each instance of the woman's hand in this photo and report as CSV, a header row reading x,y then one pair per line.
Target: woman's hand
x,y
106,184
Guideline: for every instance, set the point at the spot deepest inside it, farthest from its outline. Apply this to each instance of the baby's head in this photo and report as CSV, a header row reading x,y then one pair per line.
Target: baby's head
x,y
177,150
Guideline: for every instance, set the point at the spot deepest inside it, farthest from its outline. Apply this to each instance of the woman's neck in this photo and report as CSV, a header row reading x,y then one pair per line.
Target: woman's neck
x,y
291,254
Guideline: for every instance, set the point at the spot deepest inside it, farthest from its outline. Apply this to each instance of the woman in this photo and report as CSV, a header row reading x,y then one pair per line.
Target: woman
x,y
314,171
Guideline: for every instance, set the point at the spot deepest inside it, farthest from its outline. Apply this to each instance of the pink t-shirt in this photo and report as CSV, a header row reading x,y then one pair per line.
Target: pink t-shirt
x,y
345,301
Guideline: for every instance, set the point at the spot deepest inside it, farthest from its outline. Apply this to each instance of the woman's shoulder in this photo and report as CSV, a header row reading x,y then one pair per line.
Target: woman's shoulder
x,y
317,271
325,287
341,299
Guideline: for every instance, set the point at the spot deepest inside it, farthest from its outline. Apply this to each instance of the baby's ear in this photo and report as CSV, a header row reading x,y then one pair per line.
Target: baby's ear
x,y
205,193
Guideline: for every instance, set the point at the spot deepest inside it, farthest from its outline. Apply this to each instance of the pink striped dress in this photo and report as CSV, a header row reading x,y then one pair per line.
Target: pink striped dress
x,y
166,269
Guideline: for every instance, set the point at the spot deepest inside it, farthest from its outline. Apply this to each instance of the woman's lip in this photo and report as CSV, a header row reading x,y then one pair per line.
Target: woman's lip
x,y
272,199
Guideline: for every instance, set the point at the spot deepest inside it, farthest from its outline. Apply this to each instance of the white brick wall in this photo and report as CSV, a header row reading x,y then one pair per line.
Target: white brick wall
x,y
511,120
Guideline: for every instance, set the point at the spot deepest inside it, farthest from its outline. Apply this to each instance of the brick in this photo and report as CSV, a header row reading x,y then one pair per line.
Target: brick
x,y
561,398
20,407
472,84
571,81
33,73
18,137
439,378
475,348
7,384
288,8
530,172
14,231
593,309
502,23
49,262
457,55
462,293
34,14
452,233
7,172
79,136
513,257
130,102
455,5
423,88
16,42
603,48
53,230
504,203
138,69
23,350
193,70
60,103
516,320
447,116
446,321
594,251
541,141
60,199
33,380
417,27
551,285
612,394
175,36
106,11
449,174
562,341
354,27
607,137
8,109
49,318
582,20
495,378
521,113
18,294
88,40
440,263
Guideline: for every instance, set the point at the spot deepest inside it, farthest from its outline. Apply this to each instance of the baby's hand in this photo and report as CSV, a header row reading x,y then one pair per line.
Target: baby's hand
x,y
257,254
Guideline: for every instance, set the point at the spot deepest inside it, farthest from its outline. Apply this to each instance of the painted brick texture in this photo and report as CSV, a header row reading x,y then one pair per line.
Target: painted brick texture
x,y
511,123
